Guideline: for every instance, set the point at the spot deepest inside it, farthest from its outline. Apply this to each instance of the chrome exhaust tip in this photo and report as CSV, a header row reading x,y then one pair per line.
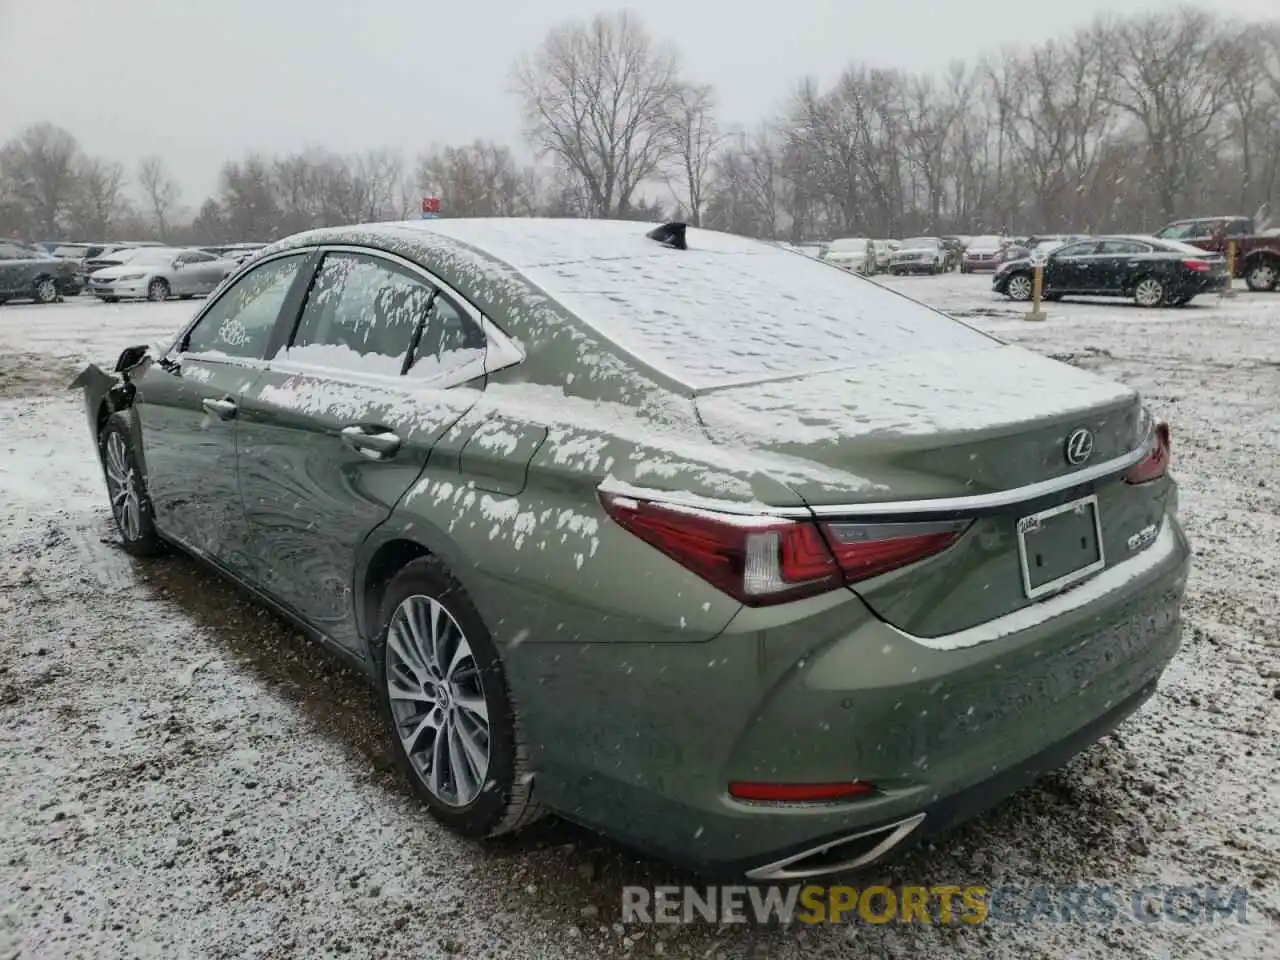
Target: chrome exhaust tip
x,y
837,856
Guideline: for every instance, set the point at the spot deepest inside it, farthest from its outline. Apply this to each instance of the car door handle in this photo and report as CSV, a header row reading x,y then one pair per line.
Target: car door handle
x,y
222,409
372,442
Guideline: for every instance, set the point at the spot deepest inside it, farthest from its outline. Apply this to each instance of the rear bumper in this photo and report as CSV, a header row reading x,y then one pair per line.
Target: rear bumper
x,y
944,727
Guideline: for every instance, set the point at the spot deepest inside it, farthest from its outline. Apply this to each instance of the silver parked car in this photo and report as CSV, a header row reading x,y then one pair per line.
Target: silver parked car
x,y
158,273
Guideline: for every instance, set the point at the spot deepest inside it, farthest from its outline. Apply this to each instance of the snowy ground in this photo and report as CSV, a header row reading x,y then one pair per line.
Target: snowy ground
x,y
183,775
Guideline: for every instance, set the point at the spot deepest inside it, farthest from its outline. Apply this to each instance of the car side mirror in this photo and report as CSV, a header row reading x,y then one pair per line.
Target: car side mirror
x,y
130,357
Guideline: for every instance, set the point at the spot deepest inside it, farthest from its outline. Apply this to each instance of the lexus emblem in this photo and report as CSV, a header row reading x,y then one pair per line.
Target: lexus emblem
x,y
1079,446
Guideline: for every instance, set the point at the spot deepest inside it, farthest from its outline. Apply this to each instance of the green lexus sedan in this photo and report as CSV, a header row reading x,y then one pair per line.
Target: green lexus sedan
x,y
736,557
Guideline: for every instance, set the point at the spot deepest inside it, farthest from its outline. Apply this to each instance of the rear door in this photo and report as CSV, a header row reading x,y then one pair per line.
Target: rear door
x,y
1117,262
383,361
199,273
188,407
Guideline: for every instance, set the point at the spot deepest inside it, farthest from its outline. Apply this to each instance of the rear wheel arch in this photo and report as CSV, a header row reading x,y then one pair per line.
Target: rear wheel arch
x,y
388,559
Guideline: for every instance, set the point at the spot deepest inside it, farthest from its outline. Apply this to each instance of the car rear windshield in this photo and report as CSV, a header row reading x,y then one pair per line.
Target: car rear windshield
x,y
918,242
847,245
707,317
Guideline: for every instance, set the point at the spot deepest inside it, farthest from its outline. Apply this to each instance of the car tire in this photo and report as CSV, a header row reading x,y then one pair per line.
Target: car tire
x,y
1263,276
1150,292
479,803
1019,287
46,291
126,488
158,290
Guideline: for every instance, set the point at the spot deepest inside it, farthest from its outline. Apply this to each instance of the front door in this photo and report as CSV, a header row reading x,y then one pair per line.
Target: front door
x,y
340,425
188,407
1068,268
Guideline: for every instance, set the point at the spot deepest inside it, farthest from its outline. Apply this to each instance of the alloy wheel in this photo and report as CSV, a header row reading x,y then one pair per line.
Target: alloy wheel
x,y
1149,292
122,487
1019,287
46,291
438,700
1262,277
159,290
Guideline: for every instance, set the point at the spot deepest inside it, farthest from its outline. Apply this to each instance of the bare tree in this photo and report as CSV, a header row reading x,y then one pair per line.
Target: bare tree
x,y
597,96
694,138
481,179
99,199
1170,82
38,168
160,192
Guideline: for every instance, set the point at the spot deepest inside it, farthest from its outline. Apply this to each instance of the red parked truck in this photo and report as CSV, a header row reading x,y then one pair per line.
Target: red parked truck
x,y
1257,250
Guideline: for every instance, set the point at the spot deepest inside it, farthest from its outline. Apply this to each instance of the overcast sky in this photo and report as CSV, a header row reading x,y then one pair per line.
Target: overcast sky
x,y
198,81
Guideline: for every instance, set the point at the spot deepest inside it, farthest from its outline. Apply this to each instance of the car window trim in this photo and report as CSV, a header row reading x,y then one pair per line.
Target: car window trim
x,y
500,350
178,342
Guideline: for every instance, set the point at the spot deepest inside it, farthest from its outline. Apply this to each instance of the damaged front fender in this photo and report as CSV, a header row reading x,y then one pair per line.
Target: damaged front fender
x,y
98,387
105,393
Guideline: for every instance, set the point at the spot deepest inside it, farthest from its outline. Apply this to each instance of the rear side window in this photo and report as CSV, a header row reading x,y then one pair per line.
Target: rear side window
x,y
449,340
361,314
240,323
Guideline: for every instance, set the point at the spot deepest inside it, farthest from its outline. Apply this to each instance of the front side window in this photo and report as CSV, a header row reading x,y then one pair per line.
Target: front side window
x,y
1075,249
449,340
240,323
194,256
361,314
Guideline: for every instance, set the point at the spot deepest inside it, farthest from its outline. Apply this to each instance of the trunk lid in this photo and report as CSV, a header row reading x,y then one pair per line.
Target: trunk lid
x,y
944,425
940,424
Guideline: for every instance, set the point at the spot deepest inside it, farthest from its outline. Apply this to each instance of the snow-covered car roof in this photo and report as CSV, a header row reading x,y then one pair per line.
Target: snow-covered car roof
x,y
727,309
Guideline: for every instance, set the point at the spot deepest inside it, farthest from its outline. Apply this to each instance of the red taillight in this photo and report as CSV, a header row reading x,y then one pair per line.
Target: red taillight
x,y
761,561
864,550
1156,463
1198,266
799,792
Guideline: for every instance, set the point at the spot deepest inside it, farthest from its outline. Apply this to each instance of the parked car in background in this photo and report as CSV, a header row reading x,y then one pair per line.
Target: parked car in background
x,y
832,495
884,250
917,255
239,252
28,274
1257,250
157,273
855,254
953,251
983,253
1152,271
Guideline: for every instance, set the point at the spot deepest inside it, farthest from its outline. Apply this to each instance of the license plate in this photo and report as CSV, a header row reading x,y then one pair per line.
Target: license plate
x,y
1060,546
